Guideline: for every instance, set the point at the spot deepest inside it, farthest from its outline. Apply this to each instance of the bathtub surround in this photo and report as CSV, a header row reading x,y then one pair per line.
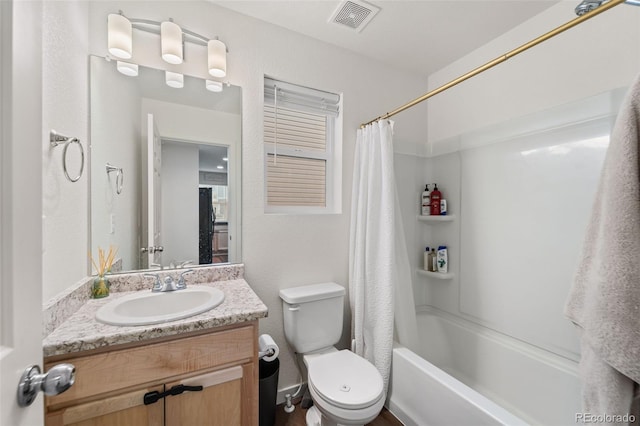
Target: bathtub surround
x,y
604,301
379,274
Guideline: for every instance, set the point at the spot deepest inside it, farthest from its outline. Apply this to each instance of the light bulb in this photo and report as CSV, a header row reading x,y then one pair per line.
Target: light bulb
x,y
217,55
119,39
171,42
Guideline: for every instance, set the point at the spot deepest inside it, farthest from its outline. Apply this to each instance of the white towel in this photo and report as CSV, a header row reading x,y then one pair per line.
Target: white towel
x,y
605,298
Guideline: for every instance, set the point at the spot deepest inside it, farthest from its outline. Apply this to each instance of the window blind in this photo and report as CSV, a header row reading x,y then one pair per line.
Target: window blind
x,y
298,126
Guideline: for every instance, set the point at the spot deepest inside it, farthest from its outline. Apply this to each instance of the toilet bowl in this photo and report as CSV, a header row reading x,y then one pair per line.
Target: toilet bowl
x,y
346,389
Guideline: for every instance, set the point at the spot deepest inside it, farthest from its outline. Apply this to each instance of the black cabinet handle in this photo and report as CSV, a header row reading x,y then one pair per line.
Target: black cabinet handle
x,y
155,396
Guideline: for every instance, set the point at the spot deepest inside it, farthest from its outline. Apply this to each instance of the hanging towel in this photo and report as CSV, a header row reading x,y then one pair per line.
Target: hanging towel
x,y
604,301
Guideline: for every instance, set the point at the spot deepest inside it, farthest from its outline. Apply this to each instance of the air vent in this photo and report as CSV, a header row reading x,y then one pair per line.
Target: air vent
x,y
354,14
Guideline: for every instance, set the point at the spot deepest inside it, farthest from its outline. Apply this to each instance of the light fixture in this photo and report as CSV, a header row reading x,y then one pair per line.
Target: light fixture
x,y
174,79
127,68
217,53
213,86
225,159
220,167
171,42
172,47
119,38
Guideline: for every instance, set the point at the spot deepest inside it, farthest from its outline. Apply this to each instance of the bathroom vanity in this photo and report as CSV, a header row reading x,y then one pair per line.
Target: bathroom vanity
x,y
200,370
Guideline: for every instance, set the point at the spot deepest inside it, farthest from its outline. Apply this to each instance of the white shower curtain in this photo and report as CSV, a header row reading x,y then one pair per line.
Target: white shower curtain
x,y
379,271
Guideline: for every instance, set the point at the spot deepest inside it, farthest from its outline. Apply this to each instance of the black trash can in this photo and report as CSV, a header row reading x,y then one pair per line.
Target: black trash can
x,y
268,391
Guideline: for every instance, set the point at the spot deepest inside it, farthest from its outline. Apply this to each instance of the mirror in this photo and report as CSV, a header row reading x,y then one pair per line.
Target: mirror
x,y
165,169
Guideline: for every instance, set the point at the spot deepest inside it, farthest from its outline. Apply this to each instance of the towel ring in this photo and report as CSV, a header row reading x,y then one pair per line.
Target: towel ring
x,y
119,177
56,139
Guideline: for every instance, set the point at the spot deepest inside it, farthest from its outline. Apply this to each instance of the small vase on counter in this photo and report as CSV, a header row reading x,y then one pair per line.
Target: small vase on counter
x,y
100,287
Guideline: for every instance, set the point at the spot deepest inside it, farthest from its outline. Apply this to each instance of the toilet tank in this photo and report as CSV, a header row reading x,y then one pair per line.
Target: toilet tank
x,y
312,315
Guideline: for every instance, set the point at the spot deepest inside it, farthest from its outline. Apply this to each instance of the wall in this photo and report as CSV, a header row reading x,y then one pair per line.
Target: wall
x,y
179,189
522,195
193,124
279,250
115,140
65,86
584,61
521,95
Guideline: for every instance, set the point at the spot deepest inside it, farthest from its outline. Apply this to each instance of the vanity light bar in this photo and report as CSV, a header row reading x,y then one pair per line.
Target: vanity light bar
x,y
172,37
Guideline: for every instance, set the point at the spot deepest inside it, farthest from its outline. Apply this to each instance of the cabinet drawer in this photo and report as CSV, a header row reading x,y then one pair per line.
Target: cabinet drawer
x,y
153,363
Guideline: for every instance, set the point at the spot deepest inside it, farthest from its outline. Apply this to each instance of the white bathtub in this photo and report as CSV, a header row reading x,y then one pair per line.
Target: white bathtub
x,y
469,375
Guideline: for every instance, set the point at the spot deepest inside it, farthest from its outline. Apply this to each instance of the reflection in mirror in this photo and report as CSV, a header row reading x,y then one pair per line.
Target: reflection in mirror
x,y
165,169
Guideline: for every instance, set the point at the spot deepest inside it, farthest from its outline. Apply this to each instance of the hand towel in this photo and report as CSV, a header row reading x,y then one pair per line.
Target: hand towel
x,y
604,301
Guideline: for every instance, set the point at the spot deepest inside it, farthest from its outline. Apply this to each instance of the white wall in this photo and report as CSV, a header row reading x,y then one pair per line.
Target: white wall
x,y
205,126
522,203
527,93
179,204
65,88
115,139
584,61
279,250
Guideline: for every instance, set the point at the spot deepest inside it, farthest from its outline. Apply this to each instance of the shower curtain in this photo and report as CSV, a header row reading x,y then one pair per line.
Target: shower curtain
x,y
380,287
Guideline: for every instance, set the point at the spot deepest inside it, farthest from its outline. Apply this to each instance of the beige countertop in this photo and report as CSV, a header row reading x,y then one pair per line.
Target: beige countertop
x,y
81,332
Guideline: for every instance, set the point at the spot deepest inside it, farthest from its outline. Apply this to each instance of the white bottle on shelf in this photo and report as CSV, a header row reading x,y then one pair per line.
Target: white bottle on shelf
x,y
426,201
442,259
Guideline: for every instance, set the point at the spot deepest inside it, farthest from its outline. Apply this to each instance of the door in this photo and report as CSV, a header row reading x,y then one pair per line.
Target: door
x,y
219,403
20,205
206,223
154,193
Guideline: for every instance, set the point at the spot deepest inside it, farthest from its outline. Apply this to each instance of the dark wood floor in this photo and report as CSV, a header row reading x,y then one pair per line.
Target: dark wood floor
x,y
297,418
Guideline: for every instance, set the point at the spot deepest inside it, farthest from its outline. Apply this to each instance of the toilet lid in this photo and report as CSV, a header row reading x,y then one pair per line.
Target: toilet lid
x,y
346,380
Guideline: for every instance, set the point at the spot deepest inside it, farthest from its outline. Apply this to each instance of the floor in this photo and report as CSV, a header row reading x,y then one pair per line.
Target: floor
x,y
297,418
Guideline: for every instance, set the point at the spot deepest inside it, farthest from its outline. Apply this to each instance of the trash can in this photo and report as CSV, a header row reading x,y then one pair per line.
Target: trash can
x,y
268,391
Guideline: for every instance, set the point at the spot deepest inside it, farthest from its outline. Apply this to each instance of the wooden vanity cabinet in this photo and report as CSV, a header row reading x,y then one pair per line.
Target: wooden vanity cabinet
x,y
111,384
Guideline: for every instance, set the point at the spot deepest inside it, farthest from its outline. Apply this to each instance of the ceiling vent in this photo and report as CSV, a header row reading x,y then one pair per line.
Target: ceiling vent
x,y
354,14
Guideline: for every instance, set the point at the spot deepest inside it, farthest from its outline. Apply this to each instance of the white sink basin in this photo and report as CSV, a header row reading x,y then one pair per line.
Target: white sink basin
x,y
154,308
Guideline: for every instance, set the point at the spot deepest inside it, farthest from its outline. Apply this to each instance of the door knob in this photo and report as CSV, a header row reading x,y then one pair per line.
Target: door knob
x,y
57,380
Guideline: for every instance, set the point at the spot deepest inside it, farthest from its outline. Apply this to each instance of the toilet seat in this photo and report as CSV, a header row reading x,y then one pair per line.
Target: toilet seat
x,y
346,380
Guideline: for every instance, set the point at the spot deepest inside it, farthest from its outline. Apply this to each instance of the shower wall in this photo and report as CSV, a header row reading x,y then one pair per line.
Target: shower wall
x,y
517,153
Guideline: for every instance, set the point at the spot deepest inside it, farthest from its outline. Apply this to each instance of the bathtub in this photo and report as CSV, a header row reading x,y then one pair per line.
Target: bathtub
x,y
466,374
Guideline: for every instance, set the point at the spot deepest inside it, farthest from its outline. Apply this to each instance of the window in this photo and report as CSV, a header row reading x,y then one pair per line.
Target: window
x,y
301,128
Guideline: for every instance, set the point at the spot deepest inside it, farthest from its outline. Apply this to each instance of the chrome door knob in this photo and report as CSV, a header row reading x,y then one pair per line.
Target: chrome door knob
x,y
57,380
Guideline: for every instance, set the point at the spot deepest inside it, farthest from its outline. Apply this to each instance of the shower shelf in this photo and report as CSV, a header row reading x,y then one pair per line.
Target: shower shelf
x,y
434,219
438,275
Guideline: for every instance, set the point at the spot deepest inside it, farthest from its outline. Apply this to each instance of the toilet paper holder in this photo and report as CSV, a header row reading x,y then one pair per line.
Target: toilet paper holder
x,y
267,348
268,352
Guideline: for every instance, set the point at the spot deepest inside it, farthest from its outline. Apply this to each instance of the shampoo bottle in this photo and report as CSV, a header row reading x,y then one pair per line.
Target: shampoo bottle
x,y
442,260
426,201
434,259
436,195
428,264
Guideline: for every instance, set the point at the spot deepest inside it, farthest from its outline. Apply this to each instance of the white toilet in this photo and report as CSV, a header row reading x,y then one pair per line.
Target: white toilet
x,y
346,389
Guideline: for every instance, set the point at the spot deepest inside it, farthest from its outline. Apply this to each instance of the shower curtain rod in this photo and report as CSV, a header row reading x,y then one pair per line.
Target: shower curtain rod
x,y
500,59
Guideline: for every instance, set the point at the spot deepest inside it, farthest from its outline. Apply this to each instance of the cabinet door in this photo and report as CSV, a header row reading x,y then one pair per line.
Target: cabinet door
x,y
218,404
123,410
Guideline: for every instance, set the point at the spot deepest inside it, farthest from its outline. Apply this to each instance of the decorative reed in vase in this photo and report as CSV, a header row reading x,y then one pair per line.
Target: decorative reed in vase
x,y
100,287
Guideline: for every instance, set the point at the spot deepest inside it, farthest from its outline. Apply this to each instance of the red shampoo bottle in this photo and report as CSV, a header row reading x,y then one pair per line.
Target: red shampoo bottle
x,y
436,195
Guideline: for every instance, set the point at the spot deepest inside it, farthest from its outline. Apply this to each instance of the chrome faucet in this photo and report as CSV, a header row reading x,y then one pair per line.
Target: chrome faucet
x,y
168,284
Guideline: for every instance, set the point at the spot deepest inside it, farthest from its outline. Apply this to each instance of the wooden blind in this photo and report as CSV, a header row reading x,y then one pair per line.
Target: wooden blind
x,y
296,181
298,122
296,129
